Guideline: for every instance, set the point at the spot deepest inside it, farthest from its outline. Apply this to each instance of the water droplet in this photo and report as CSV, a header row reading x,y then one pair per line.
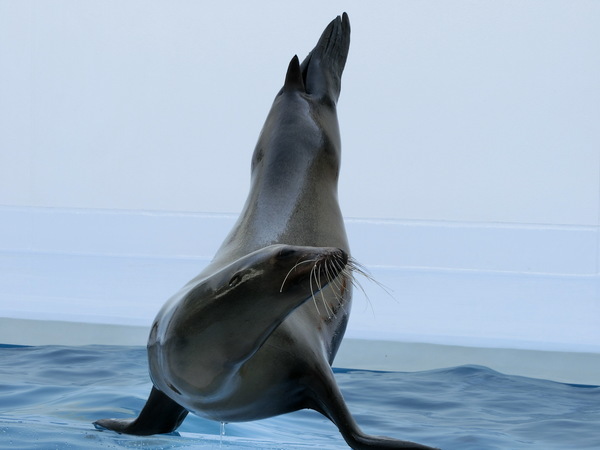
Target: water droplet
x,y
222,434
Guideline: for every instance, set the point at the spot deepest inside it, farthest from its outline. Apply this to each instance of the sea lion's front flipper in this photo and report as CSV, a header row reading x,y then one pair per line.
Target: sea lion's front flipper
x,y
159,415
322,68
325,397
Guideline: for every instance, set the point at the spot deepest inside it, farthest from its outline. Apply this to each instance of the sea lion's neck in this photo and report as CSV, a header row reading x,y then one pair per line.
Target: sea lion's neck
x,y
293,193
298,206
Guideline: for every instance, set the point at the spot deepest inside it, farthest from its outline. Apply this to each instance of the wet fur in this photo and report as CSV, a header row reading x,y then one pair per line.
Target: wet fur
x,y
286,364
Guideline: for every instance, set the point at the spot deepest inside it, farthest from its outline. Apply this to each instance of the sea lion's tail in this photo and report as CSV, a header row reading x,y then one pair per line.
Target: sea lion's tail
x,y
322,68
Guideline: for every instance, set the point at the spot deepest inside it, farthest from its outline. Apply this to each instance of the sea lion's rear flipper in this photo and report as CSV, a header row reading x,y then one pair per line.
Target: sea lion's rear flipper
x,y
322,68
325,397
159,415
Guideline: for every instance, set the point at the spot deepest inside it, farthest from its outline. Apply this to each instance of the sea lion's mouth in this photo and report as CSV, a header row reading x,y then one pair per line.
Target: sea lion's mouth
x,y
318,268
327,275
330,271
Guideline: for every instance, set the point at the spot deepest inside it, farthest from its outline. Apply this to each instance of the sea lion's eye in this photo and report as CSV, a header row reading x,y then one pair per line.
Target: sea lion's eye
x,y
236,279
286,253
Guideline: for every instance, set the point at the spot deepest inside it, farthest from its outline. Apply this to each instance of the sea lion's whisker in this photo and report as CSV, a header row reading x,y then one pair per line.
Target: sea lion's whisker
x,y
335,281
338,281
342,268
332,279
335,262
358,285
306,261
339,296
350,270
320,286
312,291
362,270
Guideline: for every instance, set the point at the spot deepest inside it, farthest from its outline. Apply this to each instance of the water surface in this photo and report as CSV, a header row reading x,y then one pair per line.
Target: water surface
x,y
49,397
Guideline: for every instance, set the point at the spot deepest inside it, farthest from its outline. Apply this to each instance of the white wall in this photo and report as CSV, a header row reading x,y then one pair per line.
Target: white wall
x,y
471,157
532,287
462,111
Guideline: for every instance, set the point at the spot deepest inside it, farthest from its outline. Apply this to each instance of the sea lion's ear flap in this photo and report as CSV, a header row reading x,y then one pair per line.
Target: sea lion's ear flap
x,y
293,77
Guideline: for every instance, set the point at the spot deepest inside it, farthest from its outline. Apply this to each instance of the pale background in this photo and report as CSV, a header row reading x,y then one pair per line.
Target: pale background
x,y
470,175
468,111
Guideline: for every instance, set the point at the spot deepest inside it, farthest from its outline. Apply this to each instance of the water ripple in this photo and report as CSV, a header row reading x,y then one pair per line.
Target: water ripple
x,y
49,396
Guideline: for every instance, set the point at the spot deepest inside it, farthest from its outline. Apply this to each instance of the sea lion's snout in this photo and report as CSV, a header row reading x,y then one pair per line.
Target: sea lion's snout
x,y
342,256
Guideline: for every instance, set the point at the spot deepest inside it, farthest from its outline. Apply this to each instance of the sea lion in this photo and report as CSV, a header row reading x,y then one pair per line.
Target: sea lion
x,y
242,340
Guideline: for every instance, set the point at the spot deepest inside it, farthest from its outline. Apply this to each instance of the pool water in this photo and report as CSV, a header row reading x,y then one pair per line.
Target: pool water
x,y
50,395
